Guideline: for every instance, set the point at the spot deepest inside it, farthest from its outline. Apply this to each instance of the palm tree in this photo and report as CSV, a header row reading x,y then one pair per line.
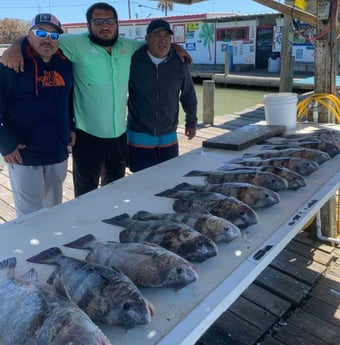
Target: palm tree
x,y
165,5
207,35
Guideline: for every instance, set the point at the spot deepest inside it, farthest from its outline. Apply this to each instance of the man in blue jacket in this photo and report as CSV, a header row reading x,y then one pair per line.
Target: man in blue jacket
x,y
159,80
35,118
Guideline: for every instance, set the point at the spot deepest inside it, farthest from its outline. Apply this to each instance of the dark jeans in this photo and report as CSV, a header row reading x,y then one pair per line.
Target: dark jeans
x,y
95,158
141,158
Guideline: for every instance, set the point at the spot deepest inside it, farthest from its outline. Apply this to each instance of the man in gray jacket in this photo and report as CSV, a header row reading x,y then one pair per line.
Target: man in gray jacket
x,y
159,80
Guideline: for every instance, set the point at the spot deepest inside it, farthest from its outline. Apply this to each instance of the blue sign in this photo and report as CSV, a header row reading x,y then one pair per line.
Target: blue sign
x,y
190,46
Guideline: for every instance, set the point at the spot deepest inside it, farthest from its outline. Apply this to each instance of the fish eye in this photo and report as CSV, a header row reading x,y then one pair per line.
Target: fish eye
x,y
127,306
242,213
179,270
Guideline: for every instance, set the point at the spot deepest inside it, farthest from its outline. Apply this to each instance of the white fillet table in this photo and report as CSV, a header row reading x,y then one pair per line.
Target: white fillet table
x,y
181,316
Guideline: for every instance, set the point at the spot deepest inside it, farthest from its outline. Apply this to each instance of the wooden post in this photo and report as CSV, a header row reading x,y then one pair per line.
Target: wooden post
x,y
326,67
287,60
208,101
226,63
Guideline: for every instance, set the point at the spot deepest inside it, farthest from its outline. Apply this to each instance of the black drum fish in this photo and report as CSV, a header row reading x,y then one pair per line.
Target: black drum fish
x,y
264,179
33,312
146,264
216,228
105,294
177,237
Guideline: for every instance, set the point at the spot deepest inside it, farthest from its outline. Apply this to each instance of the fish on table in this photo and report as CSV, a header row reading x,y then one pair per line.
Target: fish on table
x,y
259,178
104,293
317,144
146,264
220,205
33,312
216,228
302,166
252,195
312,154
293,179
176,237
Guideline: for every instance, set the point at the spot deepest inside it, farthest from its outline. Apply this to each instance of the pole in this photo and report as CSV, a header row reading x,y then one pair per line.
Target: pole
x,y
208,101
129,7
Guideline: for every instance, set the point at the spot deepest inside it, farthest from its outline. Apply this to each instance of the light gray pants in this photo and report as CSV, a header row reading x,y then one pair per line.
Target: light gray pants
x,y
36,187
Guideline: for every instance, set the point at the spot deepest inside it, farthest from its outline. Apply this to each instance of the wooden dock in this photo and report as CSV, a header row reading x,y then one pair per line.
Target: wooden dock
x,y
294,301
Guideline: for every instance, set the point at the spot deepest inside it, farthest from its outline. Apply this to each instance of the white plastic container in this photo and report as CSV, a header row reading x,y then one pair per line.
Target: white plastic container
x,y
274,64
280,109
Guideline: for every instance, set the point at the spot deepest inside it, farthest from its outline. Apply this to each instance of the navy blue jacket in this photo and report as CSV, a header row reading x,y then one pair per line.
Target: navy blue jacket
x,y
155,92
35,108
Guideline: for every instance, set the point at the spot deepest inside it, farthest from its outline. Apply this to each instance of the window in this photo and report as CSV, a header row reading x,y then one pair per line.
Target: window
x,y
233,34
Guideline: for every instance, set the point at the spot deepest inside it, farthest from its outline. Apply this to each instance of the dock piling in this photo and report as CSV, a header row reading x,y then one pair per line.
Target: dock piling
x,y
208,102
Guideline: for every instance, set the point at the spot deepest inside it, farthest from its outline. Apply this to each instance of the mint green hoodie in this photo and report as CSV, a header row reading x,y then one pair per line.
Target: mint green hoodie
x,y
100,83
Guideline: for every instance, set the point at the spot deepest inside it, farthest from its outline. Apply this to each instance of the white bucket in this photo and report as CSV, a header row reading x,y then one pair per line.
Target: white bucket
x,y
280,109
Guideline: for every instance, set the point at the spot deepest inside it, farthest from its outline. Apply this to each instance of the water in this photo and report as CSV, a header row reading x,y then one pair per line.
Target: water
x,y
227,100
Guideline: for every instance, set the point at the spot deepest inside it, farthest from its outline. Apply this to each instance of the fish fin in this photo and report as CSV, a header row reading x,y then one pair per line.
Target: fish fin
x,y
196,173
30,276
124,236
81,243
117,220
60,286
142,215
9,263
46,256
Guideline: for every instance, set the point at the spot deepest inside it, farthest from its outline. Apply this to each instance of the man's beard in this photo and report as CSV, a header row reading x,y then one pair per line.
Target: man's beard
x,y
101,42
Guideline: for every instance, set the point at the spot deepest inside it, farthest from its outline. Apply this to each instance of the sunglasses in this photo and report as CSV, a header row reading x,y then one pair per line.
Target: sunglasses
x,y
54,36
102,21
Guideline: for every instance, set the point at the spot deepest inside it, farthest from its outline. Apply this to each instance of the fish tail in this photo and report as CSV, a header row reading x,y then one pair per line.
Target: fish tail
x,y
142,215
196,173
228,166
118,220
47,256
81,243
249,155
168,193
30,276
172,191
9,263
236,160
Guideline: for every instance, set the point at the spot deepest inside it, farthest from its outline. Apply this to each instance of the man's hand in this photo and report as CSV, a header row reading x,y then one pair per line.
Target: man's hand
x,y
182,53
12,56
190,132
15,156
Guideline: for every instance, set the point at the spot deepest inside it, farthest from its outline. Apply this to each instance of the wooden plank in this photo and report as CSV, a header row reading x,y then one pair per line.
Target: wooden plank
x,y
292,334
6,211
309,252
327,291
244,137
236,330
214,336
298,267
270,340
266,300
283,285
304,237
253,314
310,324
291,11
325,311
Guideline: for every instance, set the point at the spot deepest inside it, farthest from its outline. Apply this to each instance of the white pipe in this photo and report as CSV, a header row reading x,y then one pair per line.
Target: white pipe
x,y
319,234
315,112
